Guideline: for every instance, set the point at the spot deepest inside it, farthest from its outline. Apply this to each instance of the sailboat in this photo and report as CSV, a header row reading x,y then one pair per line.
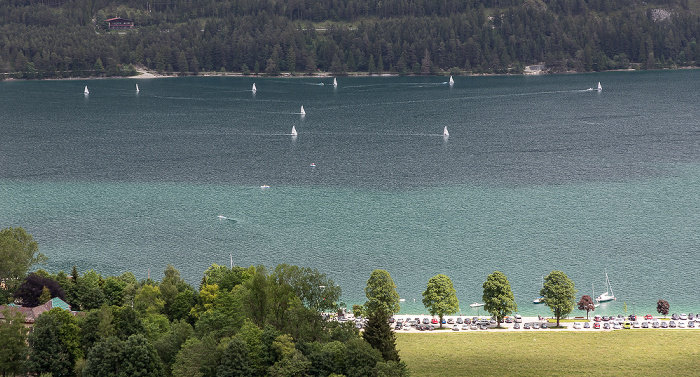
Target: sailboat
x,y
254,88
335,83
294,131
86,91
600,88
539,300
137,88
452,81
444,132
608,295
302,110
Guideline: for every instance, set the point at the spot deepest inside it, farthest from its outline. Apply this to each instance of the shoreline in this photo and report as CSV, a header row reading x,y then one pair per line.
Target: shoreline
x,y
144,73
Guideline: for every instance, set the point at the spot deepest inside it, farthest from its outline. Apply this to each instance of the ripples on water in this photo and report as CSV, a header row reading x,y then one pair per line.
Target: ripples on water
x,y
536,175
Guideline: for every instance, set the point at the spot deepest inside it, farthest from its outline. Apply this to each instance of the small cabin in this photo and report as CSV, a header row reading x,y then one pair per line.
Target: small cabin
x,y
120,24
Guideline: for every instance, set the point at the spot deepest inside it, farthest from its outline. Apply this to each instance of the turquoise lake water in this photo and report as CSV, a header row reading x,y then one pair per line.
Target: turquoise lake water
x,y
537,174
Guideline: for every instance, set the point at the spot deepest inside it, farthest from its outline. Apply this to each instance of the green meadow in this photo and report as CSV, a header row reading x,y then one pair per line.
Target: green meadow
x,y
553,353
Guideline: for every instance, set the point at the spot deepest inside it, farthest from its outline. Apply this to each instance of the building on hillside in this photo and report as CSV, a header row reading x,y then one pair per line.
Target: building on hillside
x,y
31,314
120,24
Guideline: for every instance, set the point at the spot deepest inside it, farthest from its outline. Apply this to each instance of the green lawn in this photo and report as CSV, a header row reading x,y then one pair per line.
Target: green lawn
x,y
553,353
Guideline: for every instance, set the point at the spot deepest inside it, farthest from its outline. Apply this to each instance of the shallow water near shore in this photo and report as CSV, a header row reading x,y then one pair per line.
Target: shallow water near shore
x,y
537,174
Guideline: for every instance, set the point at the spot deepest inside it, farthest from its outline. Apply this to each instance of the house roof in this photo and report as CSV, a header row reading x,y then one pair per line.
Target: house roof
x,y
31,314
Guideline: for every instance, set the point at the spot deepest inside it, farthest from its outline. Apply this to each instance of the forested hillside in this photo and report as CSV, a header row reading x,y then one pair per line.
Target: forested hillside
x,y
62,38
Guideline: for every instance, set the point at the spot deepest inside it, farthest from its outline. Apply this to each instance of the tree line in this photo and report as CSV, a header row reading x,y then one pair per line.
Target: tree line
x,y
239,322
70,38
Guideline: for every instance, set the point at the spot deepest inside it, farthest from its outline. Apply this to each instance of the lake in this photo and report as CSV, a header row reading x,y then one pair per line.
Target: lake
x,y
537,174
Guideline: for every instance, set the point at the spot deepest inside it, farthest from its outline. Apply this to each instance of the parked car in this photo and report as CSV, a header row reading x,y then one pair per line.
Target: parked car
x,y
460,320
691,316
434,321
675,317
648,317
577,325
672,324
483,326
632,317
526,326
455,328
645,325
596,326
426,321
607,326
465,327
473,326
508,320
516,326
656,324
691,324
664,324
545,325
450,321
681,325
598,318
683,317
518,318
617,326
627,325
536,325
586,325
636,325
391,320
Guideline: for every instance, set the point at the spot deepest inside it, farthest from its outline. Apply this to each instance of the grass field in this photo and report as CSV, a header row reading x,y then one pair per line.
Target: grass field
x,y
553,353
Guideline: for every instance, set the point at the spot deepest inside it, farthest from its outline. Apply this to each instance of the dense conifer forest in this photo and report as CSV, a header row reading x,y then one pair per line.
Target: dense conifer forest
x,y
71,38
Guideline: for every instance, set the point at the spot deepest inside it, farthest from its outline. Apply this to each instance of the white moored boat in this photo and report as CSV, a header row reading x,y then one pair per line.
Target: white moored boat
x,y
294,131
86,91
476,304
452,81
600,88
255,89
608,295
137,88
445,132
335,83
302,111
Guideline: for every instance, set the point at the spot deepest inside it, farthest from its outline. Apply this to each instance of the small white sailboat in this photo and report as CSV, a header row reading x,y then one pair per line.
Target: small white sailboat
x,y
600,87
445,132
222,217
86,91
255,89
608,295
335,83
452,81
294,131
539,300
137,88
302,112
476,304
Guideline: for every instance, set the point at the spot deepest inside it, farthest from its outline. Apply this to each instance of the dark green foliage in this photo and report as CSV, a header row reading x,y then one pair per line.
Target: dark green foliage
x,y
498,297
360,358
127,322
113,357
13,336
423,37
169,344
235,360
379,335
54,344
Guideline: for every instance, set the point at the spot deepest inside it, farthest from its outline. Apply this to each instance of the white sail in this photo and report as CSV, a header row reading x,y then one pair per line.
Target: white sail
x,y
86,91
608,295
137,88
302,111
255,89
600,88
335,83
452,81
294,131
444,132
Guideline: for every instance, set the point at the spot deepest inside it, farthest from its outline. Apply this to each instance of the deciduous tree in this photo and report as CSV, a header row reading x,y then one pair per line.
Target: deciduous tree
x,y
662,307
559,294
382,297
54,344
498,297
13,337
440,297
18,253
586,303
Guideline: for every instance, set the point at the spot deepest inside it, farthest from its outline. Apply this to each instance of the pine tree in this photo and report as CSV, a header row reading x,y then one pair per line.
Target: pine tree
x,y
379,335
